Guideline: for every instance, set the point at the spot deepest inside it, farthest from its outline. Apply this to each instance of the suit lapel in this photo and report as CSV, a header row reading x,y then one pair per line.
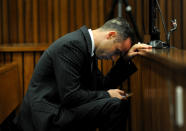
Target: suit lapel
x,y
86,34
88,44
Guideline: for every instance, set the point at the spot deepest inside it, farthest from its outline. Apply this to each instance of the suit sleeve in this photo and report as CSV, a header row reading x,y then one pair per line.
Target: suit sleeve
x,y
68,64
118,73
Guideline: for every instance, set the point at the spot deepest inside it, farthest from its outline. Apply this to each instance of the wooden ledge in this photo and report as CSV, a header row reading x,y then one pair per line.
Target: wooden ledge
x,y
10,91
7,67
24,47
172,58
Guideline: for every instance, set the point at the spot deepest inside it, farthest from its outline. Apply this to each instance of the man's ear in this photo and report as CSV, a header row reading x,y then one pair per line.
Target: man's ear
x,y
111,34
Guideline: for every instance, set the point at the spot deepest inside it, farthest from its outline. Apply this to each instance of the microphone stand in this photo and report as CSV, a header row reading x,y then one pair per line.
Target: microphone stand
x,y
128,10
155,34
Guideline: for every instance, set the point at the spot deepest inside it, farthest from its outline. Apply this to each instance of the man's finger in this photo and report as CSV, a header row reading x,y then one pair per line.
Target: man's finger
x,y
121,92
145,46
141,46
133,54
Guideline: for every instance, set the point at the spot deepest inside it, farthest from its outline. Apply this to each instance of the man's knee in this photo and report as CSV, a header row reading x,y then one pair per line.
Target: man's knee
x,y
115,114
115,105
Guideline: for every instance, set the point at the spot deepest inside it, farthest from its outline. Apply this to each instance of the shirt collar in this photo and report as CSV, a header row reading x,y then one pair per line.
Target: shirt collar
x,y
92,41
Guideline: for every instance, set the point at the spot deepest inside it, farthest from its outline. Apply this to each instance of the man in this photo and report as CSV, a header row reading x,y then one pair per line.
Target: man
x,y
67,92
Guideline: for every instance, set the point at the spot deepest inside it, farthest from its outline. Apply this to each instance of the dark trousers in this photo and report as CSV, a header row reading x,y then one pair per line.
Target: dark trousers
x,y
109,114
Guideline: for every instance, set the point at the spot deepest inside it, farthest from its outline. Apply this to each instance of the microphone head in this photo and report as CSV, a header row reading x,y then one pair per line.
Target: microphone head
x,y
128,8
174,23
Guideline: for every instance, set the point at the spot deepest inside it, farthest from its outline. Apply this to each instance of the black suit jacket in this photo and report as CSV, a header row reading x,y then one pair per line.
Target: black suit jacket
x,y
63,79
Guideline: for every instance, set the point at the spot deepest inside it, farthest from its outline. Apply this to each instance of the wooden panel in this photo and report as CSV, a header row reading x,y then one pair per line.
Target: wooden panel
x,y
18,58
71,16
79,13
150,104
8,57
1,58
13,21
64,17
153,106
146,16
56,19
44,21
184,24
42,10
5,21
101,12
28,21
27,57
29,47
139,17
107,8
94,14
37,57
1,23
136,100
50,21
35,21
25,64
133,4
28,69
87,15
21,33
9,91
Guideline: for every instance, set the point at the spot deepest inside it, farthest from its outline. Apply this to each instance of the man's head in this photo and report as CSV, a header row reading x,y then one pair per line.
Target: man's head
x,y
113,38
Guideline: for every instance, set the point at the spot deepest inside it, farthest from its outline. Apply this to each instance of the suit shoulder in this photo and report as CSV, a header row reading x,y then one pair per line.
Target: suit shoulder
x,y
73,40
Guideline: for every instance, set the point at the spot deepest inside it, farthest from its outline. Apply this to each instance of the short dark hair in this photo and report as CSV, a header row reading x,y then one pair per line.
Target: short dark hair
x,y
122,27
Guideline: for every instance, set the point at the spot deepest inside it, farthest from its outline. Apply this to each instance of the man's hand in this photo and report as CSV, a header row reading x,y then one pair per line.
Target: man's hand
x,y
134,50
117,93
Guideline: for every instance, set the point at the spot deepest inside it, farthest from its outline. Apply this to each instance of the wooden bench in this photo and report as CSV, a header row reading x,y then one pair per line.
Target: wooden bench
x,y
10,92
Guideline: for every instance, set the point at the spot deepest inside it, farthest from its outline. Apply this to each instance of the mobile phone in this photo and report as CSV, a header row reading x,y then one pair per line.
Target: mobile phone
x,y
128,95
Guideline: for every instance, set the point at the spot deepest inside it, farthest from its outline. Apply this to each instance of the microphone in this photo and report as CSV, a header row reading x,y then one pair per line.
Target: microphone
x,y
128,7
174,27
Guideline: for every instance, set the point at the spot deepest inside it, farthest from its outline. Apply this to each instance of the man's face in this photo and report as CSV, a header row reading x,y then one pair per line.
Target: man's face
x,y
109,49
